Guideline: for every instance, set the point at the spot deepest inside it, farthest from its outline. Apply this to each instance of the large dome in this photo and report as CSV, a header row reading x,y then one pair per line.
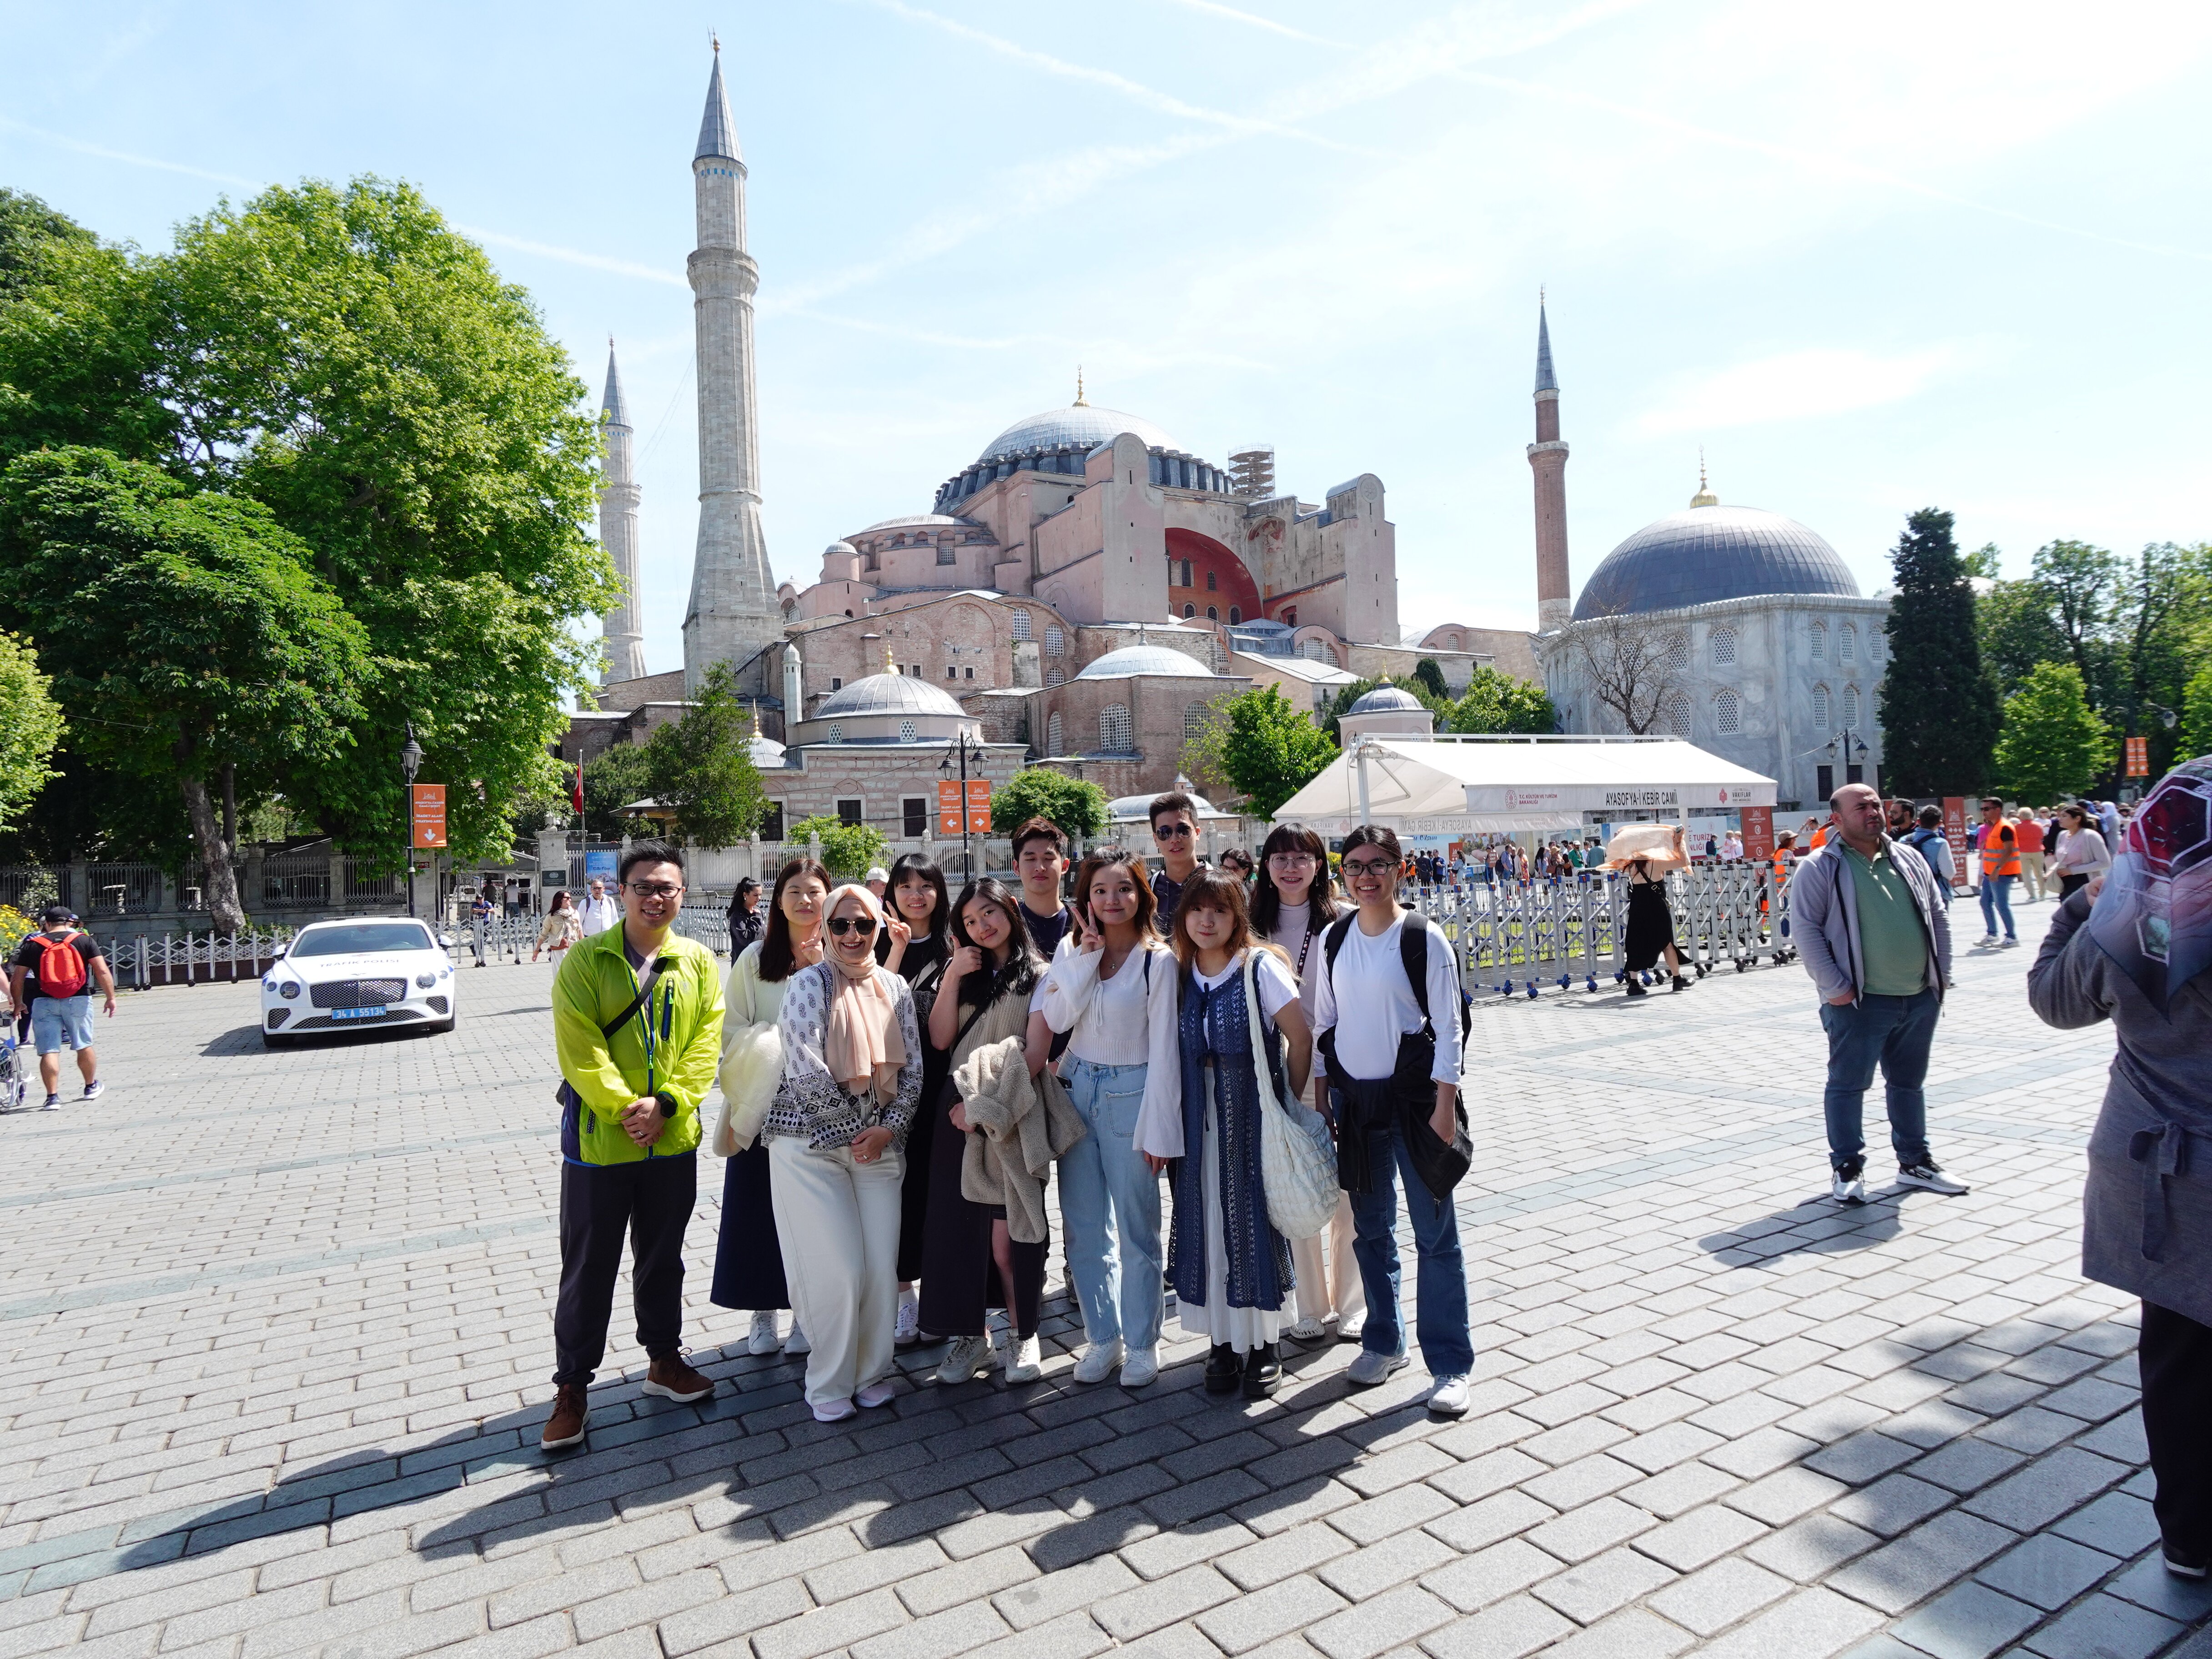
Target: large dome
x,y
1706,553
1077,424
1132,660
890,694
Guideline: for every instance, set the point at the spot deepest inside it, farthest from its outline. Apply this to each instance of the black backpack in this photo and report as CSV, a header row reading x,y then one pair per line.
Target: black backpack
x,y
1414,957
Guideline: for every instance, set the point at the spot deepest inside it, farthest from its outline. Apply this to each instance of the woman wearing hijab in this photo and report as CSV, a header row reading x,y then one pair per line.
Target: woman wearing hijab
x,y
2135,949
852,1065
916,942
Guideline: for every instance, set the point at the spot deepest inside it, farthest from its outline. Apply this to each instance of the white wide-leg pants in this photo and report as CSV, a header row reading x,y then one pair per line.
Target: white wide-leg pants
x,y
838,1221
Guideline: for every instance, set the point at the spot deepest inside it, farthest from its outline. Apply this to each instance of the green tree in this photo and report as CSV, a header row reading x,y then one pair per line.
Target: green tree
x,y
1429,674
2158,639
28,230
1985,561
30,728
1200,758
192,645
1272,749
2195,712
1499,702
701,766
611,781
1076,804
342,357
849,850
2053,743
1340,705
2013,624
1939,711
2081,585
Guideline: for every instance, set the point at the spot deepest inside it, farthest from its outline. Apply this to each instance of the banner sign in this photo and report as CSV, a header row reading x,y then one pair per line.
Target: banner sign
x,y
974,815
603,862
1954,831
1759,833
429,814
1602,798
2138,757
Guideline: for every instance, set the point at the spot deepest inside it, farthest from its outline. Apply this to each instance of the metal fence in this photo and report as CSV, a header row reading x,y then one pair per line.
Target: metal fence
x,y
16,879
295,881
122,889
194,959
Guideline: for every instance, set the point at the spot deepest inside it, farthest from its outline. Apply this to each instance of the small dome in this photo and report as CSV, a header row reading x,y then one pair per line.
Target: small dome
x,y
841,550
1132,660
1080,424
1707,554
1382,698
890,694
767,753
917,521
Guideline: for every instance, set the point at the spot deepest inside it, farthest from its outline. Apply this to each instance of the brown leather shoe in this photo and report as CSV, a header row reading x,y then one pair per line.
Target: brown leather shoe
x,y
672,1377
571,1410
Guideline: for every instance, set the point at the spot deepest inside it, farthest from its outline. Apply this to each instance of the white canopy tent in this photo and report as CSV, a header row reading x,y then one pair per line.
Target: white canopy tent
x,y
1455,786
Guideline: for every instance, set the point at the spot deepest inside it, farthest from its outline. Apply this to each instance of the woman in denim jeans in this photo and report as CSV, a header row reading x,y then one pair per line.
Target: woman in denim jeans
x,y
1112,990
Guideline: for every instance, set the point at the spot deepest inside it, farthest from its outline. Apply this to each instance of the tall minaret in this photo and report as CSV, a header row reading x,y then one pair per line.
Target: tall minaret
x,y
623,625
1547,458
734,610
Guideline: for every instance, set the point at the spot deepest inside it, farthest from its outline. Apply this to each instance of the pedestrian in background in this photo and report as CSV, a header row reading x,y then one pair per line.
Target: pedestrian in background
x,y
2083,853
480,917
1650,933
2135,953
563,927
50,979
746,921
2000,858
2028,835
1928,840
1875,936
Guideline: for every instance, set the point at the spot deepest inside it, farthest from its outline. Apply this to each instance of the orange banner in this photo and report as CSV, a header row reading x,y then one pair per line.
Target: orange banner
x,y
1759,833
427,811
2138,757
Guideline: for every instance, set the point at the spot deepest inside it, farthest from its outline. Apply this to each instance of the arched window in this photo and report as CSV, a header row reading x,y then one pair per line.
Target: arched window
x,y
1678,651
1212,614
1723,646
1291,617
1021,624
906,731
1851,705
1056,641
1190,610
1728,714
945,555
1235,614
1194,722
1052,733
1212,583
1847,644
1820,706
1819,637
1315,651
1675,717
1115,736
1056,675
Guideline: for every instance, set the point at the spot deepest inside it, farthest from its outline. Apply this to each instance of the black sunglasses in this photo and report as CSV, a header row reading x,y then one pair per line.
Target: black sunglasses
x,y
863,925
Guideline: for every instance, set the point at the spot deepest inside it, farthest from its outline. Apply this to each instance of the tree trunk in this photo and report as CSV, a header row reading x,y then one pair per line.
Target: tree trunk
x,y
229,916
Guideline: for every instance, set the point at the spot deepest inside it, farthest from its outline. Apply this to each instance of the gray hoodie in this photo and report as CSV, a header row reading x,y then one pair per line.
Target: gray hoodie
x,y
1824,919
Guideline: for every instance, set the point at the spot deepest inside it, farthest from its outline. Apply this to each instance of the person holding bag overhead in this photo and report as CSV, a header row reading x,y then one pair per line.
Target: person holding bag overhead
x,y
852,1070
1239,1006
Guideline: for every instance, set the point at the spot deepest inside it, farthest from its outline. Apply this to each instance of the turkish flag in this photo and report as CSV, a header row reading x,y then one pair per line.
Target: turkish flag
x,y
576,794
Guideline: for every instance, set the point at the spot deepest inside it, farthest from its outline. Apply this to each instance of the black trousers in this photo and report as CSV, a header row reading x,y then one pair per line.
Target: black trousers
x,y
2176,1356
651,1201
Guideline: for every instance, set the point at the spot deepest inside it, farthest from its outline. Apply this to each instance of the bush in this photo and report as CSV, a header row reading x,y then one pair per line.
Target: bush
x,y
848,848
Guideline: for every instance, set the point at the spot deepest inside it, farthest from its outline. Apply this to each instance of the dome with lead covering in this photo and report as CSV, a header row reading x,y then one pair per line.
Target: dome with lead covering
x,y
1132,660
890,694
1384,696
1080,424
1706,553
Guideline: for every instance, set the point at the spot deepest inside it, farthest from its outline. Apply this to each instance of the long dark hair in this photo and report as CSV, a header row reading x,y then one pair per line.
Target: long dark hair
x,y
1267,899
1019,973
1106,859
561,902
777,957
941,919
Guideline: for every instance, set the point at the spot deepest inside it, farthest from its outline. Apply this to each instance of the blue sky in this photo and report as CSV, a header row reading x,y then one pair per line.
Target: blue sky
x,y
1870,258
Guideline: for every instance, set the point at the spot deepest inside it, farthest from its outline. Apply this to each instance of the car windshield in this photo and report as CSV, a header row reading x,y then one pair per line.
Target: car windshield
x,y
355,938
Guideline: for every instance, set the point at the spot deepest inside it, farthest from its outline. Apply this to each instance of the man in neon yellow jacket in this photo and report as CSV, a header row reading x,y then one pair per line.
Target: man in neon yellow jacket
x,y
637,1023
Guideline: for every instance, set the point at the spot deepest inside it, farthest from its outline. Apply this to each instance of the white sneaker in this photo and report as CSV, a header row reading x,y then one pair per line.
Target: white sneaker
x,y
1848,1189
1350,1330
1929,1178
908,1328
1025,1363
796,1343
1448,1398
1308,1330
1098,1361
967,1356
2011,944
1368,1368
1141,1367
762,1338
876,1394
835,1412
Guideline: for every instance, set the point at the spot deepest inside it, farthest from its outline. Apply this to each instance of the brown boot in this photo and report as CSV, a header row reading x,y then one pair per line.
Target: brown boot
x,y
672,1377
571,1410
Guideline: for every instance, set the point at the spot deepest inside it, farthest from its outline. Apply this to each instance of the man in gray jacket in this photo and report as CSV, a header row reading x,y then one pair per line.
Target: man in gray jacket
x,y
1871,928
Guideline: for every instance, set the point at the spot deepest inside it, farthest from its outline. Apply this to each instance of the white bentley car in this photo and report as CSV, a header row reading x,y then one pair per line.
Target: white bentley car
x,y
341,975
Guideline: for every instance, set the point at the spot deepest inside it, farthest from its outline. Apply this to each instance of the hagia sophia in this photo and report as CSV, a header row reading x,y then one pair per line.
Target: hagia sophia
x,y
1079,592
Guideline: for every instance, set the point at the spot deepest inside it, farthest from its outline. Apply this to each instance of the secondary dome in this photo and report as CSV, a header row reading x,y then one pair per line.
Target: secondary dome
x,y
1711,553
1080,424
1132,660
890,694
911,520
1382,698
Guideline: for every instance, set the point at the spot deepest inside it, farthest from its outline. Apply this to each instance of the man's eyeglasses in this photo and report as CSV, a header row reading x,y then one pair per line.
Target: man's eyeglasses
x,y
1368,867
1171,832
655,889
841,925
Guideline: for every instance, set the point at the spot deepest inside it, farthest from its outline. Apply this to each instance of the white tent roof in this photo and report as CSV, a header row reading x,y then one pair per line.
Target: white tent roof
x,y
1446,786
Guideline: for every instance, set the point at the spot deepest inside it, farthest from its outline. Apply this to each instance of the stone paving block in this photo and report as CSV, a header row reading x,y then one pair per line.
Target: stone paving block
x,y
1507,1631
1202,1539
825,1630
1632,1633
1680,1490
1702,1535
1301,1549
1970,1622
1240,1625
1589,1590
1891,1505
2121,1438
2118,1523
955,1631
1474,1581
1072,1636
1811,1548
2031,1429
2104,1627
1467,1482
2046,1489
1046,1598
1715,1596
1394,1512
1578,1482
1378,1567
732,1618
1783,1496
1916,1566
1147,1607
1860,1458
1390,1620
1811,1625
1291,1506
2149,1584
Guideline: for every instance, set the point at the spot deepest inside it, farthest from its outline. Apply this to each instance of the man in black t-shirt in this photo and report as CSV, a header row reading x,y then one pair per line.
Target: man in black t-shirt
x,y
60,1004
1041,861
1175,832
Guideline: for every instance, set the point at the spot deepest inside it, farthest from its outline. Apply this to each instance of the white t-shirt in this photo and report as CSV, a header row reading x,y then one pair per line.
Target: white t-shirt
x,y
1367,1001
598,913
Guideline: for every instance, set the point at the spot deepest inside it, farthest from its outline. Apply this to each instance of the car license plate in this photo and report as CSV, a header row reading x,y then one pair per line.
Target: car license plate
x,y
358,1013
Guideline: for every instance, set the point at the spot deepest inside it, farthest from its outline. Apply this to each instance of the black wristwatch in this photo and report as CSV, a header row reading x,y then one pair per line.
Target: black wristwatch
x,y
667,1106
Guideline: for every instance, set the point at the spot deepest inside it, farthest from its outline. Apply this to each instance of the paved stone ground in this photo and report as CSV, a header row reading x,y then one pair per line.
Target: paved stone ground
x,y
276,1331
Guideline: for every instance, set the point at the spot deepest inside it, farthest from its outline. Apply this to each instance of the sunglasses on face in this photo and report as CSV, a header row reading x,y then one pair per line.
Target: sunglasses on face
x,y
863,925
1171,831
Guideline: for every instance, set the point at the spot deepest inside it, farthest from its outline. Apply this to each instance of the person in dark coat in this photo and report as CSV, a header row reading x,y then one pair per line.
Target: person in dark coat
x,y
2134,949
747,922
916,942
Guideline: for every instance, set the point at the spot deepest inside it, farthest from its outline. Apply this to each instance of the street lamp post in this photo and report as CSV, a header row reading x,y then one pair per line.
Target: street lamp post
x,y
1854,752
961,745
410,763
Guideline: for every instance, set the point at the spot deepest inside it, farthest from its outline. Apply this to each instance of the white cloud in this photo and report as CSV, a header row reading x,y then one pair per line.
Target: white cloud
x,y
1794,386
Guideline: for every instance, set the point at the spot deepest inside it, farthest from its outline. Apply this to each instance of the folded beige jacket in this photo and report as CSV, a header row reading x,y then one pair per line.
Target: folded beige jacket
x,y
1018,1126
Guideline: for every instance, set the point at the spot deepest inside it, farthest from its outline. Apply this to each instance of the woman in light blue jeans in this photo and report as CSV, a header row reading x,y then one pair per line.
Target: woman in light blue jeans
x,y
1112,989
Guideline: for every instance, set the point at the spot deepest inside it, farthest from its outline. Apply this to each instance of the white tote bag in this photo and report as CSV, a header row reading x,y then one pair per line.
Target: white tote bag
x,y
1297,1159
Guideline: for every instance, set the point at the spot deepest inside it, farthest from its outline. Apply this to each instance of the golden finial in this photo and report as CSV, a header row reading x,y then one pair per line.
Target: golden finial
x,y
891,661
715,41
1704,497
1080,401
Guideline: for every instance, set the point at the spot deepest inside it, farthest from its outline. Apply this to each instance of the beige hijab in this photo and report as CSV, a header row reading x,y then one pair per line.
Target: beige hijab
x,y
863,1045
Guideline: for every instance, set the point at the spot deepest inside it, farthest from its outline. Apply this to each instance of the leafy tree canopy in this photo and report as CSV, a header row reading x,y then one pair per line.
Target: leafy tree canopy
x,y
612,781
1076,804
701,766
849,850
1272,750
30,728
1939,711
1431,674
1499,702
2195,712
28,230
2053,743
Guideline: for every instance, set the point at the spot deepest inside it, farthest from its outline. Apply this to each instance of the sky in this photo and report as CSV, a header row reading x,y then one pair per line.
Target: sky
x,y
1865,259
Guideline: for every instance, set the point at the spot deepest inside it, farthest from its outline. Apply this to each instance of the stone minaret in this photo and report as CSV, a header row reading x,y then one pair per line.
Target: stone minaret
x,y
734,610
1547,458
624,625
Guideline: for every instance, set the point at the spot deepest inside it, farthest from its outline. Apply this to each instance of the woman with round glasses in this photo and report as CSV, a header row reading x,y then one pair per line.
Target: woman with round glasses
x,y
852,1069
1292,905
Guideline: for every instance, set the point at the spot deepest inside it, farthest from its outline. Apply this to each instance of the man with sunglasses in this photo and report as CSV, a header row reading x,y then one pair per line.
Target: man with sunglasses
x,y
1175,832
637,1023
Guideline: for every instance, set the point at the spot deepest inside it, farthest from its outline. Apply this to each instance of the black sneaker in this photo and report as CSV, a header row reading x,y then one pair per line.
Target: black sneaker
x,y
1636,986
1223,1371
2182,1567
